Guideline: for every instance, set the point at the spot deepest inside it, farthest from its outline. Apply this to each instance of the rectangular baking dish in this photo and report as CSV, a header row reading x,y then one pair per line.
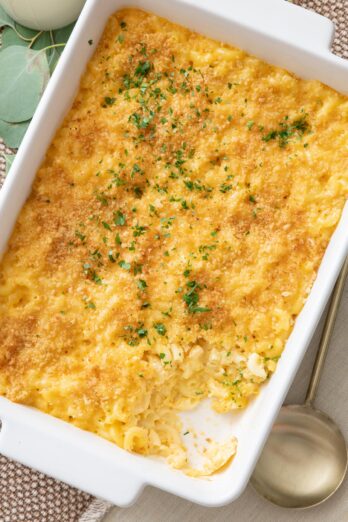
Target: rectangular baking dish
x,y
282,34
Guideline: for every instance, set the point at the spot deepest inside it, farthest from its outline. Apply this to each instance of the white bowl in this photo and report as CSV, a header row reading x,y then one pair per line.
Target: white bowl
x,y
43,15
282,34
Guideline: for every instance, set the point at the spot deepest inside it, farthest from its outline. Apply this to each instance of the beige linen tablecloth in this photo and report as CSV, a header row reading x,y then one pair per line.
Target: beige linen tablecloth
x,y
28,496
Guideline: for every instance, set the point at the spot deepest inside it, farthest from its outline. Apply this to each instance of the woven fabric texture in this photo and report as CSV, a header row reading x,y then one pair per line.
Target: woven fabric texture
x,y
337,11
29,496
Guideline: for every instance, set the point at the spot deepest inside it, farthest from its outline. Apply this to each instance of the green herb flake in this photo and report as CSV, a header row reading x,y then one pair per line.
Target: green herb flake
x,y
119,219
78,234
141,331
287,132
191,298
138,230
124,265
111,256
106,225
141,284
143,68
108,101
160,328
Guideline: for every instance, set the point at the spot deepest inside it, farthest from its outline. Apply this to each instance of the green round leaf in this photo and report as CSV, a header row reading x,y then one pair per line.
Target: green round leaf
x,y
24,76
58,36
13,133
62,35
53,56
25,31
9,160
42,41
10,37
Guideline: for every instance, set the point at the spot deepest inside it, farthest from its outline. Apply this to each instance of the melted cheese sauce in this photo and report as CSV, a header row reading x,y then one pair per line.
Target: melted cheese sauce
x,y
171,238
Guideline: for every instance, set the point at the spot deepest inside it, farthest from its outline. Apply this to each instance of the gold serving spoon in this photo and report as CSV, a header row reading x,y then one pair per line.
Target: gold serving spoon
x,y
305,458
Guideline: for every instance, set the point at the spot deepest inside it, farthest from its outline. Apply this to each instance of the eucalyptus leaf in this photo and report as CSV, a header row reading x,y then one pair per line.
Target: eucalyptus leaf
x,y
53,56
24,76
10,37
43,41
25,32
5,19
9,158
62,35
59,36
13,133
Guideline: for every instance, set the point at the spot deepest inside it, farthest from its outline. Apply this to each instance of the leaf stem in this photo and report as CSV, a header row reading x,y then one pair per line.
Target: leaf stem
x,y
23,37
53,46
53,40
35,38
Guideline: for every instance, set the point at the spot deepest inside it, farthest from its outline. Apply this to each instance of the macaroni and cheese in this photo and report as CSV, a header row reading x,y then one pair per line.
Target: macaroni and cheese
x,y
173,233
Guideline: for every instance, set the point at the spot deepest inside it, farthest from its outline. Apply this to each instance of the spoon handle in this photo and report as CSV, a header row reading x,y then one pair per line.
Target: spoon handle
x,y
326,335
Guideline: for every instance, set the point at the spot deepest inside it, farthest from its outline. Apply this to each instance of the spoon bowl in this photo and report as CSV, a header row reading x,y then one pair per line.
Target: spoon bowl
x,y
304,460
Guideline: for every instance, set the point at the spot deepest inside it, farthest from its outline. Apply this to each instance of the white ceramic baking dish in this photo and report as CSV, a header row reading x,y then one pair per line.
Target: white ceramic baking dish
x,y
283,34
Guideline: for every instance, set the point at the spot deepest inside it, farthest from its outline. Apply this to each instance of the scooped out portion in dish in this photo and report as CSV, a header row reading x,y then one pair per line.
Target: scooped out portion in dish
x,y
173,233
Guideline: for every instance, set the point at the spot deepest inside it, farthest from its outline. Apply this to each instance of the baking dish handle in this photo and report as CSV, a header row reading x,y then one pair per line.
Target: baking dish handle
x,y
52,447
279,19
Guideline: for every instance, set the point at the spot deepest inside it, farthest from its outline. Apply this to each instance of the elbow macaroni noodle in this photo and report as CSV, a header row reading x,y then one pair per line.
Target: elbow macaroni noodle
x,y
173,233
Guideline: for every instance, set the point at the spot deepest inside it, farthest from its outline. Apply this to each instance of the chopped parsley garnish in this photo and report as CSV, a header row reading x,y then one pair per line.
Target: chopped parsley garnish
x,y
111,256
92,274
136,170
191,298
102,199
160,328
287,131
142,332
119,219
143,68
138,230
81,236
225,188
106,225
124,265
141,284
108,101
137,268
